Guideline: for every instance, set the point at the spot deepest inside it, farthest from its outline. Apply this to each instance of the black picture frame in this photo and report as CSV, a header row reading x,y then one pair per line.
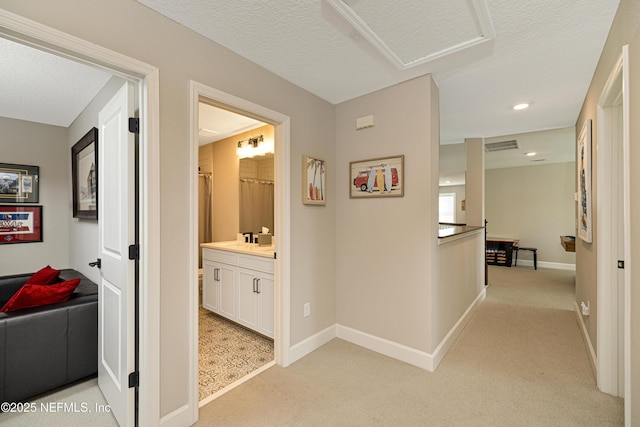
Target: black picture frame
x,y
19,183
84,176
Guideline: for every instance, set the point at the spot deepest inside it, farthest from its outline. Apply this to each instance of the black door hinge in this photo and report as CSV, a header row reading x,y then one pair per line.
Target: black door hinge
x,y
275,255
621,263
134,252
134,125
134,379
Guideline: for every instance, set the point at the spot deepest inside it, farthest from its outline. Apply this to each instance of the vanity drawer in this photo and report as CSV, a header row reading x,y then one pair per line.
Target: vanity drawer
x,y
219,256
258,263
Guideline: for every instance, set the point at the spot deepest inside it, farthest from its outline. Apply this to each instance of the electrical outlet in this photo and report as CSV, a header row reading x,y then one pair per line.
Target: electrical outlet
x,y
307,309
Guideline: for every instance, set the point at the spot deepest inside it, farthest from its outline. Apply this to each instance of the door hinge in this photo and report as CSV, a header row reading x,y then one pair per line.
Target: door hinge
x,y
134,125
621,263
134,379
275,255
134,252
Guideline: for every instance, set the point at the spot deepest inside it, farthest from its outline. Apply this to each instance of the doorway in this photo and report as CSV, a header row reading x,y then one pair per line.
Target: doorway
x,y
39,36
613,218
235,195
281,266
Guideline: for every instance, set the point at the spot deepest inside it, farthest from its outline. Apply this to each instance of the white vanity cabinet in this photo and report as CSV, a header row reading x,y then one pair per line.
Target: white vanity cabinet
x,y
239,287
219,282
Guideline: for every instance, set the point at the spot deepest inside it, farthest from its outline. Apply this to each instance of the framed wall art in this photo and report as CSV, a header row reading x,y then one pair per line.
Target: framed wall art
x,y
382,177
585,231
19,183
20,224
314,182
84,170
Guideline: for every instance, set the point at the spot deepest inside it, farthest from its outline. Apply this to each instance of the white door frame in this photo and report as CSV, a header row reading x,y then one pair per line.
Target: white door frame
x,y
39,36
614,93
282,222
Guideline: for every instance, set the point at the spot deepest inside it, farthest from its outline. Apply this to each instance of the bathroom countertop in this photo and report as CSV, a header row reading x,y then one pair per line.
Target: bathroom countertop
x,y
242,248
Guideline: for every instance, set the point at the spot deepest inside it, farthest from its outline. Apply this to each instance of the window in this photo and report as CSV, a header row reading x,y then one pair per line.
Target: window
x,y
447,207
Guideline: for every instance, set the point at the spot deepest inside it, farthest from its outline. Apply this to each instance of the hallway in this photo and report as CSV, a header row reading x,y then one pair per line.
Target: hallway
x,y
520,361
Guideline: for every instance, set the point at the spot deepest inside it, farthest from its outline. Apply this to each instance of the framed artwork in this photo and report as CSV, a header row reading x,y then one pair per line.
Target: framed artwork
x,y
84,170
19,183
314,182
585,231
20,224
382,177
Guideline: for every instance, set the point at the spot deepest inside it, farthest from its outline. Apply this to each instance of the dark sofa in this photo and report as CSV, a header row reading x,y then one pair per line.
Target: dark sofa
x,y
42,348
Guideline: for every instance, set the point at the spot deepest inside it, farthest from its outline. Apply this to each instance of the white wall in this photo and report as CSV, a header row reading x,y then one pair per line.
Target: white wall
x,y
385,247
83,233
45,146
534,204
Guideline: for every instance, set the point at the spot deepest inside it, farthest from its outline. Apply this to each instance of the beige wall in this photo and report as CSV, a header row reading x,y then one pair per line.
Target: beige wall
x,y
45,146
181,55
625,30
385,248
220,159
534,204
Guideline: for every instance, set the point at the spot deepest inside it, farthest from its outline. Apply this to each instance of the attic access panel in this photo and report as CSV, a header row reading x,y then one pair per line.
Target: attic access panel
x,y
412,32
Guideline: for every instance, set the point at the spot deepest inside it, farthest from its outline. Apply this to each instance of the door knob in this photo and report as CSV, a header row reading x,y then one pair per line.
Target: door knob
x,y
96,263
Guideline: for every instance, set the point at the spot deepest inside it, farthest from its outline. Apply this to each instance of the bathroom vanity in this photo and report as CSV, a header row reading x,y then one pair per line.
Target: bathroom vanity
x,y
237,283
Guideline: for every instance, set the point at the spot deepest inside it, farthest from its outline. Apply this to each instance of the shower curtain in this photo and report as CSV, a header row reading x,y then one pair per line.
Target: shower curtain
x,y
204,212
256,205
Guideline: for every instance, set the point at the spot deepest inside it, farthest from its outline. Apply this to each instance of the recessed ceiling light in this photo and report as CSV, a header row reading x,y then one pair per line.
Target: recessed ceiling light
x,y
521,106
531,153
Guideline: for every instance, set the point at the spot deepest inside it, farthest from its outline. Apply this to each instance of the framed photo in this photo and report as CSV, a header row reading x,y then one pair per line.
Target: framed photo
x,y
585,231
18,183
84,169
383,177
20,224
314,182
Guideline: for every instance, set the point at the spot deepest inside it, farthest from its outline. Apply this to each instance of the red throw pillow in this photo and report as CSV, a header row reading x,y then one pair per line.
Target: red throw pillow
x,y
37,295
44,276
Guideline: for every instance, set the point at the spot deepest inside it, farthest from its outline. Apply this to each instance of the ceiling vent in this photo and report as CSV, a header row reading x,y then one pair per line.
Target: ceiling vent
x,y
501,146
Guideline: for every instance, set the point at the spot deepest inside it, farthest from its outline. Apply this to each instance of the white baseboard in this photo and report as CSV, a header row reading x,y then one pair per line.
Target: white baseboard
x,y
178,418
314,342
421,359
450,338
583,328
547,264
388,348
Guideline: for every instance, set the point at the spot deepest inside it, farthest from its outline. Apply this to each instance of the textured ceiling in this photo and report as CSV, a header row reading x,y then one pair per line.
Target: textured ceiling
x,y
543,51
39,87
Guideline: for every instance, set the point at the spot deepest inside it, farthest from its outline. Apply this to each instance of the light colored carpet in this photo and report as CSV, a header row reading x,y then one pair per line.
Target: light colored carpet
x,y
521,361
78,405
227,352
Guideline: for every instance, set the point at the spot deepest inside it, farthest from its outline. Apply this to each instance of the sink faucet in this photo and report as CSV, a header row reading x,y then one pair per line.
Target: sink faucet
x,y
250,233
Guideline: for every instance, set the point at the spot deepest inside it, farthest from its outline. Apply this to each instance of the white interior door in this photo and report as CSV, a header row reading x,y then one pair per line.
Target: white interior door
x,y
116,215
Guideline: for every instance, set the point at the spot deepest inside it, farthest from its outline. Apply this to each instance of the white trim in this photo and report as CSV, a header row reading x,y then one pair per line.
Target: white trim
x,y
312,343
626,155
412,356
282,203
587,340
40,36
614,96
546,264
177,418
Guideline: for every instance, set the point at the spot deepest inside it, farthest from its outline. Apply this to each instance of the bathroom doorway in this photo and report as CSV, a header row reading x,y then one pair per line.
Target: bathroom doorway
x,y
235,200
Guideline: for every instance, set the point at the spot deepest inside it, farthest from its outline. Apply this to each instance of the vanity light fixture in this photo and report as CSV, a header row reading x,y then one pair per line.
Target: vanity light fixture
x,y
253,147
